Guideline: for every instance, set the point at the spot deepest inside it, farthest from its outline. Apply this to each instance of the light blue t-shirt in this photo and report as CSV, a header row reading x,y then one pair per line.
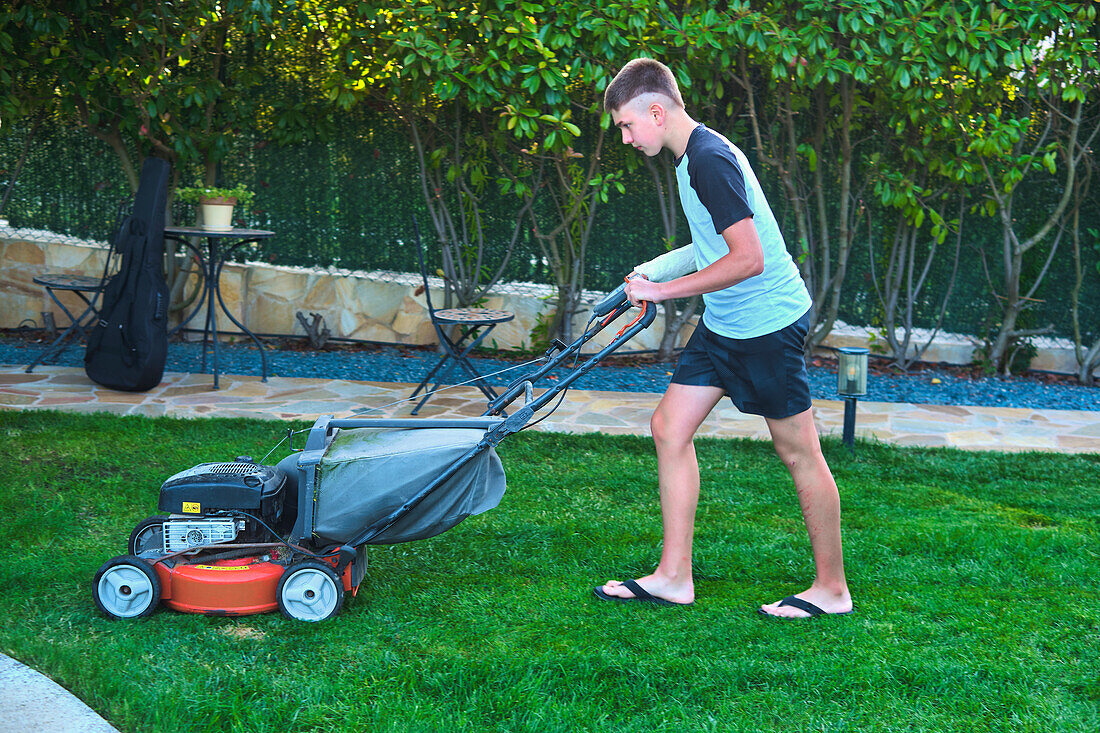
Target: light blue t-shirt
x,y
718,188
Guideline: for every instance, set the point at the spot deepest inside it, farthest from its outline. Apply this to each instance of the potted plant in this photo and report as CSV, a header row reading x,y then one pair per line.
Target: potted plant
x,y
216,204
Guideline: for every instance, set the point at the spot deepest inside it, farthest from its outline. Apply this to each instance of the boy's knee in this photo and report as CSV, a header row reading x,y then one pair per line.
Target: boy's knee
x,y
799,453
667,432
657,426
661,428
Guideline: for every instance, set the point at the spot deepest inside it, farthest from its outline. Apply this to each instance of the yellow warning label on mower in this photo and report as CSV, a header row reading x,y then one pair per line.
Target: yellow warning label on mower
x,y
224,568
192,507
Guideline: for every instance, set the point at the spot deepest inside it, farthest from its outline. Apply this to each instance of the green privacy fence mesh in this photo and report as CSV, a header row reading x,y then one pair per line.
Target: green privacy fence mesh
x,y
348,202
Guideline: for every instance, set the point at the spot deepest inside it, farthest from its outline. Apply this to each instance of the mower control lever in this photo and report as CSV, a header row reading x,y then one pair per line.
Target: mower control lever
x,y
555,346
610,302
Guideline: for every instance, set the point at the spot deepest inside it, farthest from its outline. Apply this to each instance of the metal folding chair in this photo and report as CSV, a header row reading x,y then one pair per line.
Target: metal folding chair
x,y
472,326
87,287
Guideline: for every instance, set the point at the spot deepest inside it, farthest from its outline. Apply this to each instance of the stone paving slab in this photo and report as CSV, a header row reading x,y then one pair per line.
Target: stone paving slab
x,y
582,411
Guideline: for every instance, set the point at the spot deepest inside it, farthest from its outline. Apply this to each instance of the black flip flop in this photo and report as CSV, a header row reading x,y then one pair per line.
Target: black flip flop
x,y
801,605
640,594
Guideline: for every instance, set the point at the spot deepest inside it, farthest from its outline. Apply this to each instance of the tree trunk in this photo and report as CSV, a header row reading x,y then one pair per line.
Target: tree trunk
x,y
1015,300
565,244
831,281
1088,357
902,286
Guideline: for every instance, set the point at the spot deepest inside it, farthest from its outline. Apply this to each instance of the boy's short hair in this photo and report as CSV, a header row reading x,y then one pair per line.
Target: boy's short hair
x,y
638,77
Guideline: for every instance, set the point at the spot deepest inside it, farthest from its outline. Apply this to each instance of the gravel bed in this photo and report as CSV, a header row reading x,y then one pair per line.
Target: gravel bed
x,y
931,385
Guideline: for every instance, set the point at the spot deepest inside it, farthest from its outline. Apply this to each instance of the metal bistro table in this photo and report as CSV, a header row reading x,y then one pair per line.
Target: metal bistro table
x,y
211,264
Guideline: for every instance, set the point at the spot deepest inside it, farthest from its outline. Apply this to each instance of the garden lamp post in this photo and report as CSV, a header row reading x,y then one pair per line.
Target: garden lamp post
x,y
851,383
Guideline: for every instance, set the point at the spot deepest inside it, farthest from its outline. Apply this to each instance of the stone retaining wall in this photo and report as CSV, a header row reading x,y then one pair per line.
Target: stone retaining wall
x,y
371,306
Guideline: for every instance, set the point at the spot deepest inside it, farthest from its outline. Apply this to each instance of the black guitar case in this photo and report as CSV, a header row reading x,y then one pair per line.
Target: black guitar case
x,y
128,345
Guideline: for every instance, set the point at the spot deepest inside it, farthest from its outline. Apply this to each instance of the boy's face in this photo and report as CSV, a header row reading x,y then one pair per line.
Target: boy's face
x,y
640,126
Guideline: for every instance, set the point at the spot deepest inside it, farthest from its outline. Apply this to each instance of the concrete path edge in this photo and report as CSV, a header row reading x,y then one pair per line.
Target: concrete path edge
x,y
30,701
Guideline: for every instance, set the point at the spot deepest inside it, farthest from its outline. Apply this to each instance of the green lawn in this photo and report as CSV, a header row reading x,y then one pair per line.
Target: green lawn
x,y
976,579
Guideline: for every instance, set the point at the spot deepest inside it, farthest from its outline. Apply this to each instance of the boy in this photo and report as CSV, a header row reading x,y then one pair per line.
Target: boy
x,y
748,345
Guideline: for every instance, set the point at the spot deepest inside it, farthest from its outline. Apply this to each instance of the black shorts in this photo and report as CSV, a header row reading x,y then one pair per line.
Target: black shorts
x,y
765,375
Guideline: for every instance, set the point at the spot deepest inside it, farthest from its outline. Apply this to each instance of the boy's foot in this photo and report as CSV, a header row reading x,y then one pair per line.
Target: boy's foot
x,y
809,604
631,590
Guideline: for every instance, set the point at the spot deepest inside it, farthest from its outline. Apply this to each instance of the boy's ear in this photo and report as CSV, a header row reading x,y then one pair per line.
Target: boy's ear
x,y
657,111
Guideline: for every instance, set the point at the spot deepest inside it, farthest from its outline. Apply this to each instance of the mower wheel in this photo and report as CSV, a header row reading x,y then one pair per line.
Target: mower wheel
x,y
148,536
310,591
126,587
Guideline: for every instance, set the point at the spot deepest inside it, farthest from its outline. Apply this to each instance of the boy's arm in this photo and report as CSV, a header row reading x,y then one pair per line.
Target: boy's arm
x,y
745,260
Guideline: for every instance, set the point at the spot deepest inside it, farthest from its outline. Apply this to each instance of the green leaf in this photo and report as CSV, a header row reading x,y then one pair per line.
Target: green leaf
x,y
810,154
1050,163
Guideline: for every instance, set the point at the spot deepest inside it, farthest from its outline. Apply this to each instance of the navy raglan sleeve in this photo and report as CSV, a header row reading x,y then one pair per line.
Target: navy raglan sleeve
x,y
720,185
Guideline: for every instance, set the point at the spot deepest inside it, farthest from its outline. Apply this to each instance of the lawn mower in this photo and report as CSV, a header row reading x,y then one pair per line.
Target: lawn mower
x,y
242,538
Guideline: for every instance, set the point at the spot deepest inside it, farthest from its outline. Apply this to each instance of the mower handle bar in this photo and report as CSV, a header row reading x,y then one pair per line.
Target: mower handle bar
x,y
525,383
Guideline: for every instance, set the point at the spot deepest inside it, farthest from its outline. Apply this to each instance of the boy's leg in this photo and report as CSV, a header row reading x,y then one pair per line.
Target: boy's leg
x,y
679,414
796,441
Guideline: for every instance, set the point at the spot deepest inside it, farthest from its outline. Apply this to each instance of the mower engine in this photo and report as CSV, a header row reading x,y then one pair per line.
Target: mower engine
x,y
187,534
196,497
